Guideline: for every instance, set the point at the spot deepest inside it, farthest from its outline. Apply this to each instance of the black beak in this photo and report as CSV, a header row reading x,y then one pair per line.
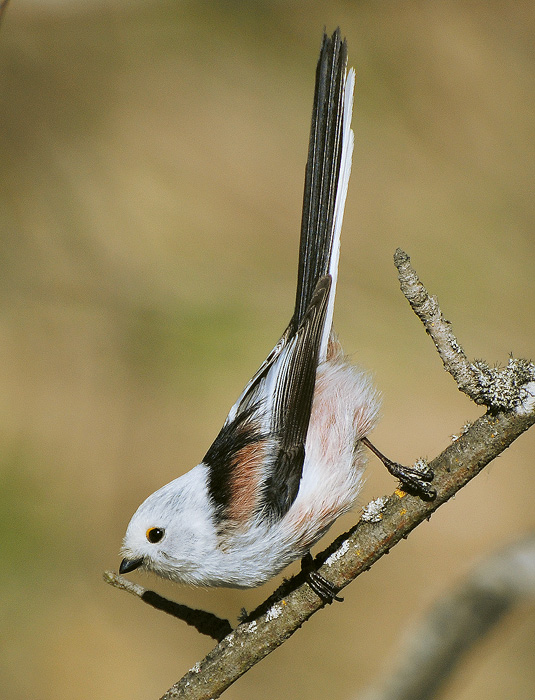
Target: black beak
x,y
128,565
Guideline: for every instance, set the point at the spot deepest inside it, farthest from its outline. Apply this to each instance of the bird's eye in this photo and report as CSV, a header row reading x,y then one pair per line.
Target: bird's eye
x,y
155,534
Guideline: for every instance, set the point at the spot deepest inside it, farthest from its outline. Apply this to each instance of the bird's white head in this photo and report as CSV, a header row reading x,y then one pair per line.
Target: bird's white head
x,y
171,530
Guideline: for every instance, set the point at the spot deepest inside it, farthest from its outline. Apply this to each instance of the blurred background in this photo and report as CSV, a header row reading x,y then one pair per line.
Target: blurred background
x,y
151,165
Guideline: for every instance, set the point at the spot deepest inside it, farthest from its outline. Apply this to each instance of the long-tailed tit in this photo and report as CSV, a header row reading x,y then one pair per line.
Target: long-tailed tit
x,y
289,458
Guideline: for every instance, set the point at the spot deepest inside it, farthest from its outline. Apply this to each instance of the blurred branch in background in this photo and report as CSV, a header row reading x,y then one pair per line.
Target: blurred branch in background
x,y
432,650
3,5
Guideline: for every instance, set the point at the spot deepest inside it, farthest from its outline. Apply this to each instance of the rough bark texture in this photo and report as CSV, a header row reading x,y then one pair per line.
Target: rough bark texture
x,y
348,557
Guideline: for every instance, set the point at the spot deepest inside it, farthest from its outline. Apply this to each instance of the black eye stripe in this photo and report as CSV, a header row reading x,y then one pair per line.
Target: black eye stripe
x,y
155,534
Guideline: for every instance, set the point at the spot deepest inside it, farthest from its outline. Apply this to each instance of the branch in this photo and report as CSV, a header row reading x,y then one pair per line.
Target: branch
x,y
349,556
386,521
435,647
498,389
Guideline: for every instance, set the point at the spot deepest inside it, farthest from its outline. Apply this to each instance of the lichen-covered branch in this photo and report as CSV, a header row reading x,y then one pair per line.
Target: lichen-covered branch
x,y
291,606
510,396
432,650
494,387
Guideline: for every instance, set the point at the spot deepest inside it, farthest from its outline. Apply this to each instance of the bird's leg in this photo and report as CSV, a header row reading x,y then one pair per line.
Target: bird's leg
x,y
321,587
413,480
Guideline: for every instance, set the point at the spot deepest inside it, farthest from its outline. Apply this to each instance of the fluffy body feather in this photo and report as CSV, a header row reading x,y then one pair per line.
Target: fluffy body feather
x,y
287,461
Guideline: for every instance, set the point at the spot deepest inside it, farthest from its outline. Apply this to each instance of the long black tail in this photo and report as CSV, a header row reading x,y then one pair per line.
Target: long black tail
x,y
326,174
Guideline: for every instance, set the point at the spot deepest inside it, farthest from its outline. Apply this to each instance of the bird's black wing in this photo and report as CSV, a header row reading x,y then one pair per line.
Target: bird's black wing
x,y
294,392
256,462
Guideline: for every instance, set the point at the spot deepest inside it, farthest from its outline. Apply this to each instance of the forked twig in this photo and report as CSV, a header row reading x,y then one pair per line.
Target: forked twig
x,y
497,388
390,520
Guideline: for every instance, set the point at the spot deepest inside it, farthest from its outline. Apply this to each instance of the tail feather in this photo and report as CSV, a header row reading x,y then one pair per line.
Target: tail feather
x,y
326,178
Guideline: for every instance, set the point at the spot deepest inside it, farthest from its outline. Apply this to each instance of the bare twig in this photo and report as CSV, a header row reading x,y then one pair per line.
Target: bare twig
x,y
433,649
428,311
204,622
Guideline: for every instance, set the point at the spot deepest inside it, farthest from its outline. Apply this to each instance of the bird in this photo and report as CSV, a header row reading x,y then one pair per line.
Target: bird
x,y
290,457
